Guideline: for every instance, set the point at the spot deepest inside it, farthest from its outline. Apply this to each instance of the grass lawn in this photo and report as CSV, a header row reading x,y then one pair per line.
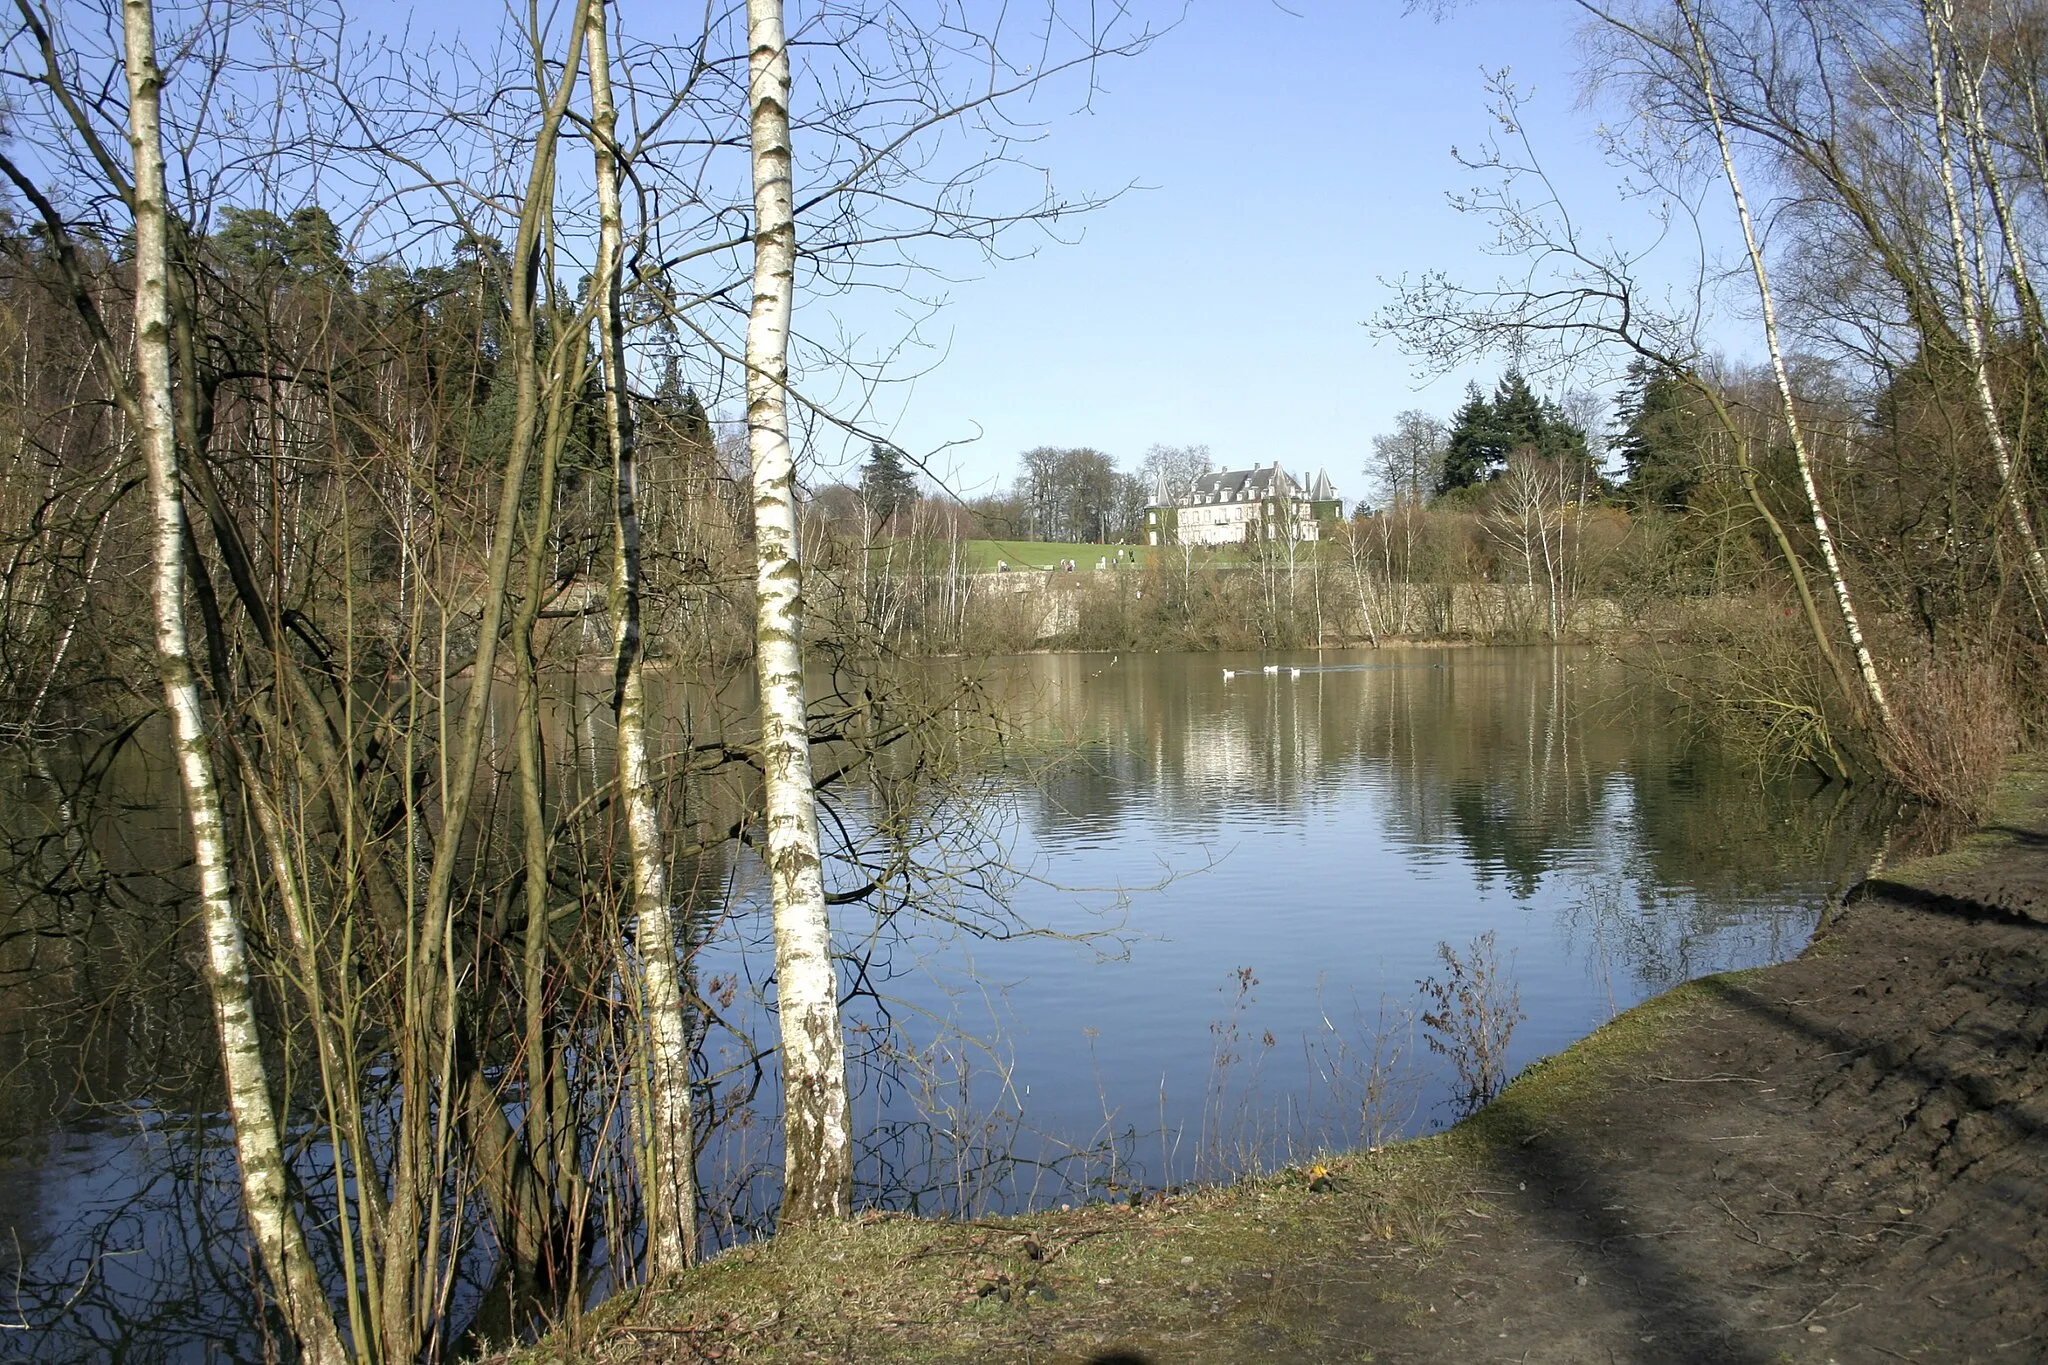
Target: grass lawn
x,y
981,555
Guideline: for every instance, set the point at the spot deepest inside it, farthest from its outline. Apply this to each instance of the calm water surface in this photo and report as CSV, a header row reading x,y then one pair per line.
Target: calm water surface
x,y
1255,873
1216,899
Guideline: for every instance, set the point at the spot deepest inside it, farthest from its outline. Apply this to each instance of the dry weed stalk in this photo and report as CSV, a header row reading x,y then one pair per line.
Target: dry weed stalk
x,y
1957,726
1472,1013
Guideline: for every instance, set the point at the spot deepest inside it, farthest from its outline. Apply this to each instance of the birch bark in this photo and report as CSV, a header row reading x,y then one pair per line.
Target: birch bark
x,y
1973,324
817,1145
1983,150
1866,666
669,1181
1809,606
265,1198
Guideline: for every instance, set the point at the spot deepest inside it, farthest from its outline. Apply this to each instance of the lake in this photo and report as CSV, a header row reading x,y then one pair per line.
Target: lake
x,y
1172,928
1253,874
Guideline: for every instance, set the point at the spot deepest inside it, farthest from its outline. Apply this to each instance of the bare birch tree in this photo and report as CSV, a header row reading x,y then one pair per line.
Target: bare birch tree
x,y
474,940
817,1140
1528,516
1593,299
1866,666
669,1177
266,1201
1970,298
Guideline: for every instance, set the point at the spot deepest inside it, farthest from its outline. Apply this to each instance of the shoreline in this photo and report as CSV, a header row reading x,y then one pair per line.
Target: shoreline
x,y
1842,1156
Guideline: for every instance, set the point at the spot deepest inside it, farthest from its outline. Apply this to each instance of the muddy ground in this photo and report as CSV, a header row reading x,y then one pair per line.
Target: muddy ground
x,y
1842,1158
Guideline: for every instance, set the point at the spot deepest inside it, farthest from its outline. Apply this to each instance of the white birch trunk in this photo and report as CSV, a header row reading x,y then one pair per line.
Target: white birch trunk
x,y
817,1144
1982,149
669,1183
1865,665
265,1200
1356,549
1973,326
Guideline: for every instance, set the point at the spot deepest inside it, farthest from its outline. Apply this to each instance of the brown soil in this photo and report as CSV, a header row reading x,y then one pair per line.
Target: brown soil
x,y
1842,1158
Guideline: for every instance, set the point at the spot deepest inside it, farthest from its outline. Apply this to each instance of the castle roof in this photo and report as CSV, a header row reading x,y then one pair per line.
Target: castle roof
x,y
1246,485
1243,485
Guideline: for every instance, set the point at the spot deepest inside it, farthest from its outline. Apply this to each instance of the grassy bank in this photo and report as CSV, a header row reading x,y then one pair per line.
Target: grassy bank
x,y
983,556
1161,1275
1312,1263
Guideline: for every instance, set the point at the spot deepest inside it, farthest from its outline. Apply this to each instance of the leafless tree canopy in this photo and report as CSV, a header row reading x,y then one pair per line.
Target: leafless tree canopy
x,y
442,333
1887,163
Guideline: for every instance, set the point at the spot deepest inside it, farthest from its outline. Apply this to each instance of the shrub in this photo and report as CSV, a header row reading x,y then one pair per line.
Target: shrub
x,y
1956,728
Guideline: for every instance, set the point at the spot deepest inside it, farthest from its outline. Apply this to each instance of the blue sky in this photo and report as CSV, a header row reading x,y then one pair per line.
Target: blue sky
x,y
1287,156
1290,160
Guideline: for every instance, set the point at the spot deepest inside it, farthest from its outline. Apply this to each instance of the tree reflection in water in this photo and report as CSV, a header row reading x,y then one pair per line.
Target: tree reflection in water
x,y
1042,958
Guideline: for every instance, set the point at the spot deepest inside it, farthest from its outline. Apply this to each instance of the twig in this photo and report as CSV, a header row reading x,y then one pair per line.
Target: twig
x,y
1809,1314
1846,1218
723,1327
1754,1235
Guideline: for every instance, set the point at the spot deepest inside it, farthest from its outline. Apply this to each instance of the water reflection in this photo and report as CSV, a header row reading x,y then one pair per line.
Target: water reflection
x,y
117,1184
1259,870
1522,762
1327,830
1236,885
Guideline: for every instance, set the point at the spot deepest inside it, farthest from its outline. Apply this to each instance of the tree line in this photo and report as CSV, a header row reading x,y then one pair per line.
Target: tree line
x,y
1060,493
1870,465
354,394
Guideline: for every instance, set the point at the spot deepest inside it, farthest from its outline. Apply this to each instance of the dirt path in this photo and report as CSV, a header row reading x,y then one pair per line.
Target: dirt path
x,y
1842,1158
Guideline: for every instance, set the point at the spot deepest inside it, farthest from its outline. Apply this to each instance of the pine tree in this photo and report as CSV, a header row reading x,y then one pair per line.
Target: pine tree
x,y
1562,442
1657,438
693,424
887,485
1519,418
1472,453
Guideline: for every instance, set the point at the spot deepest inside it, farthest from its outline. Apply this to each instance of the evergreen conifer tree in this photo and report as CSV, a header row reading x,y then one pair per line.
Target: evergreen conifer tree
x,y
1519,419
1657,438
1470,452
887,485
1484,432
